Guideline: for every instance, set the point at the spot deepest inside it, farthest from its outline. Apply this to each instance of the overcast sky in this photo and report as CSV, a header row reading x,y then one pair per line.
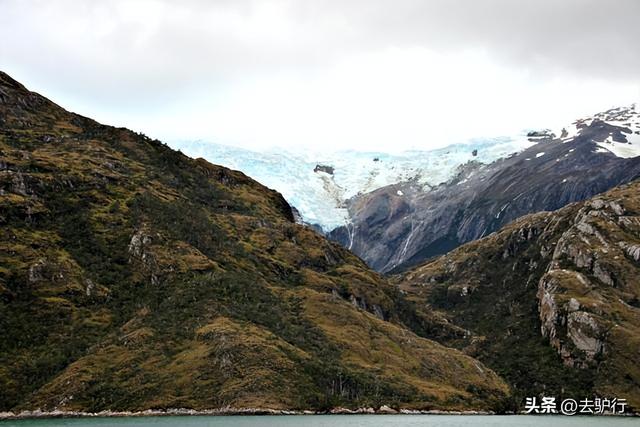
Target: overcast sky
x,y
363,74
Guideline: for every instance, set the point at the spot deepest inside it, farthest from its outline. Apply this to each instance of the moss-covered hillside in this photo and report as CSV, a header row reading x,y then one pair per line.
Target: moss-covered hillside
x,y
551,302
134,277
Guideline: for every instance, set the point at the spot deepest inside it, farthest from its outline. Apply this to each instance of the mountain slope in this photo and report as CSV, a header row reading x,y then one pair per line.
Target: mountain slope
x,y
134,277
551,301
401,225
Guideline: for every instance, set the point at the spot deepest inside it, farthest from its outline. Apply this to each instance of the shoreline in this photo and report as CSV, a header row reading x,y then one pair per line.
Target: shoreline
x,y
229,411
383,410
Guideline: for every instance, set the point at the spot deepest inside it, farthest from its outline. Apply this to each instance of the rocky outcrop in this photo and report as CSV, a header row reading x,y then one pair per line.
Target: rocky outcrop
x,y
592,250
585,334
575,334
324,168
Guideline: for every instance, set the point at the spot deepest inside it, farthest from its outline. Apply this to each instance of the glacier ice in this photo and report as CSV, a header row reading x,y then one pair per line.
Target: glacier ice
x,y
320,196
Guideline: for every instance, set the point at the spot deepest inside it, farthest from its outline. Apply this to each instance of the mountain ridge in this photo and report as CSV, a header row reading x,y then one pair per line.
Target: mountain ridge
x,y
401,225
133,277
550,301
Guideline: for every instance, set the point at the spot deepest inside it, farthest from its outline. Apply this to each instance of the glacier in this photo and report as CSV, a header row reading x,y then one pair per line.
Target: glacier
x,y
320,195
318,183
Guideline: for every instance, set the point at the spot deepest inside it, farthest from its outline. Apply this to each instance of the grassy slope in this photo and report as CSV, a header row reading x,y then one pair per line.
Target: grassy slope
x,y
490,291
134,277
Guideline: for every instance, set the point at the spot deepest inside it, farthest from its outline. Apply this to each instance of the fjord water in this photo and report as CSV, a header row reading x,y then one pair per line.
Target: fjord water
x,y
331,421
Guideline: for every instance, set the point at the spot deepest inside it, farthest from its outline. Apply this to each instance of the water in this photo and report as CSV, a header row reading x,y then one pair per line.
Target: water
x,y
332,421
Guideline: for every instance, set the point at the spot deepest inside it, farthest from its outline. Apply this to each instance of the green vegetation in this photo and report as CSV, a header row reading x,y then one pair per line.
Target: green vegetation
x,y
134,277
548,301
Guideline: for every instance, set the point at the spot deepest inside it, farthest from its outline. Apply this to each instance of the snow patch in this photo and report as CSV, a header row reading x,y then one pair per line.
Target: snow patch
x,y
620,149
626,150
501,210
627,119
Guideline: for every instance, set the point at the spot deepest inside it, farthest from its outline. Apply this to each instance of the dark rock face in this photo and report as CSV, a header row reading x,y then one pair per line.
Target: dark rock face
x,y
401,225
324,168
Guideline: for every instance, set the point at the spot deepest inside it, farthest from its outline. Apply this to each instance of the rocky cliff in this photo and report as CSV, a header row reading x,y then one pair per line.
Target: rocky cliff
x,y
551,301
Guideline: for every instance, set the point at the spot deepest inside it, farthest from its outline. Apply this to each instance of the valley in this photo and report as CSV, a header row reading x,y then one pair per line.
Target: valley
x,y
134,278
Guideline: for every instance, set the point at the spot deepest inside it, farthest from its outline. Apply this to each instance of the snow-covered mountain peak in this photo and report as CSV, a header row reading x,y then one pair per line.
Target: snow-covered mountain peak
x,y
615,131
319,184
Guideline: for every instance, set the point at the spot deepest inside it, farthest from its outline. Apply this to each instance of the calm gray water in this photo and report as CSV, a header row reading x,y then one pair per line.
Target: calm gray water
x,y
333,421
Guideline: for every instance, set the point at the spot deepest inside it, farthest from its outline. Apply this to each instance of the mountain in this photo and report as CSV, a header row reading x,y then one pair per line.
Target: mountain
x,y
551,301
400,225
133,277
319,184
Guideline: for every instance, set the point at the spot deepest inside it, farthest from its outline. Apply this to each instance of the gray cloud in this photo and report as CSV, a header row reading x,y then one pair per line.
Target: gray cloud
x,y
595,37
150,52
